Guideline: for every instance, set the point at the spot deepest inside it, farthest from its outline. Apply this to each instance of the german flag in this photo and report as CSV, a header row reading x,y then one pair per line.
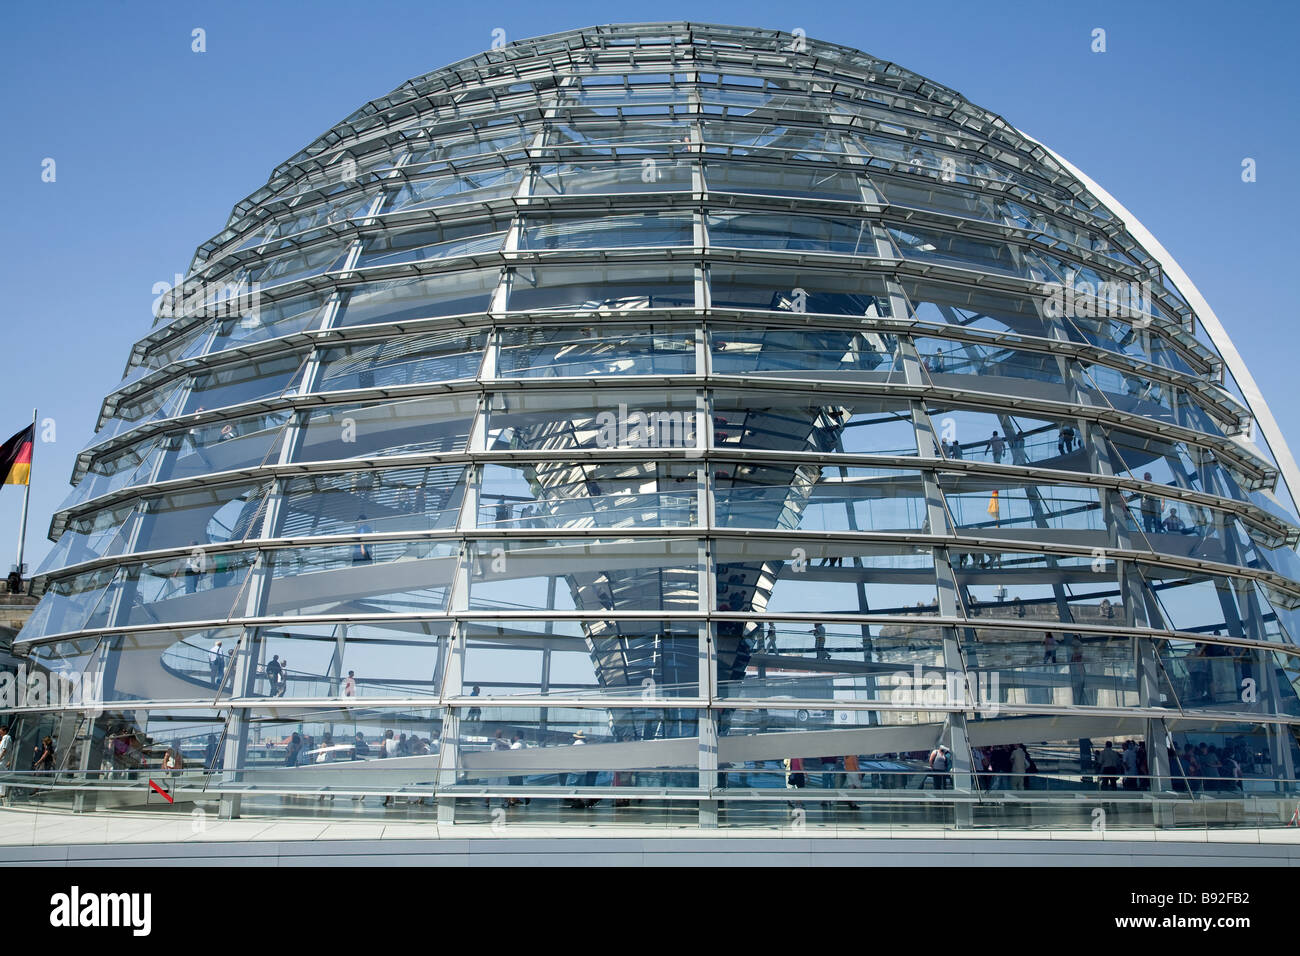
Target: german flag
x,y
16,457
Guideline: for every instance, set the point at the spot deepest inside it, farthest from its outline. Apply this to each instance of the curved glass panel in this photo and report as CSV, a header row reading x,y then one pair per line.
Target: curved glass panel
x,y
597,350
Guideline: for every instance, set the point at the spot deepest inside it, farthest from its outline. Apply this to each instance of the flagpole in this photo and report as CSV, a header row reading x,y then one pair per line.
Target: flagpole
x,y
27,494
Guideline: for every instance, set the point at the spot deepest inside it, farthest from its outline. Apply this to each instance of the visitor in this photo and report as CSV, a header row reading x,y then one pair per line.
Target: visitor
x,y
1150,506
852,776
1019,766
6,755
1078,675
997,448
819,641
388,749
193,567
1130,760
1192,769
361,550
274,671
1000,761
350,684
579,740
1232,773
794,775
940,766
517,743
979,762
1031,769
44,755
216,663
1211,766
1110,766
474,713
172,761
829,767
121,748
1173,523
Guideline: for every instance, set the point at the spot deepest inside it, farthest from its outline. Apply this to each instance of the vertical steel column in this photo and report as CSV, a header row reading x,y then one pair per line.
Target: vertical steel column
x,y
956,678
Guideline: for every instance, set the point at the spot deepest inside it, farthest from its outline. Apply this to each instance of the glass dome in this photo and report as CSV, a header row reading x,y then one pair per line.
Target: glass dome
x,y
714,398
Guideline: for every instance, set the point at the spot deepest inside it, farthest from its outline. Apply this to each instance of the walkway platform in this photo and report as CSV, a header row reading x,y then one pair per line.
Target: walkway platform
x,y
46,838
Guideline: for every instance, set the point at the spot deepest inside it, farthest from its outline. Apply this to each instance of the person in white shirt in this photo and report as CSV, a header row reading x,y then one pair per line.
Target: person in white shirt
x,y
388,746
216,663
587,779
350,685
1019,764
1129,758
195,565
517,743
941,764
6,756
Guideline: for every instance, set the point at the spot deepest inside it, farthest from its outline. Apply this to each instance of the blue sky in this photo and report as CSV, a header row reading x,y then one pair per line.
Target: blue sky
x,y
155,143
